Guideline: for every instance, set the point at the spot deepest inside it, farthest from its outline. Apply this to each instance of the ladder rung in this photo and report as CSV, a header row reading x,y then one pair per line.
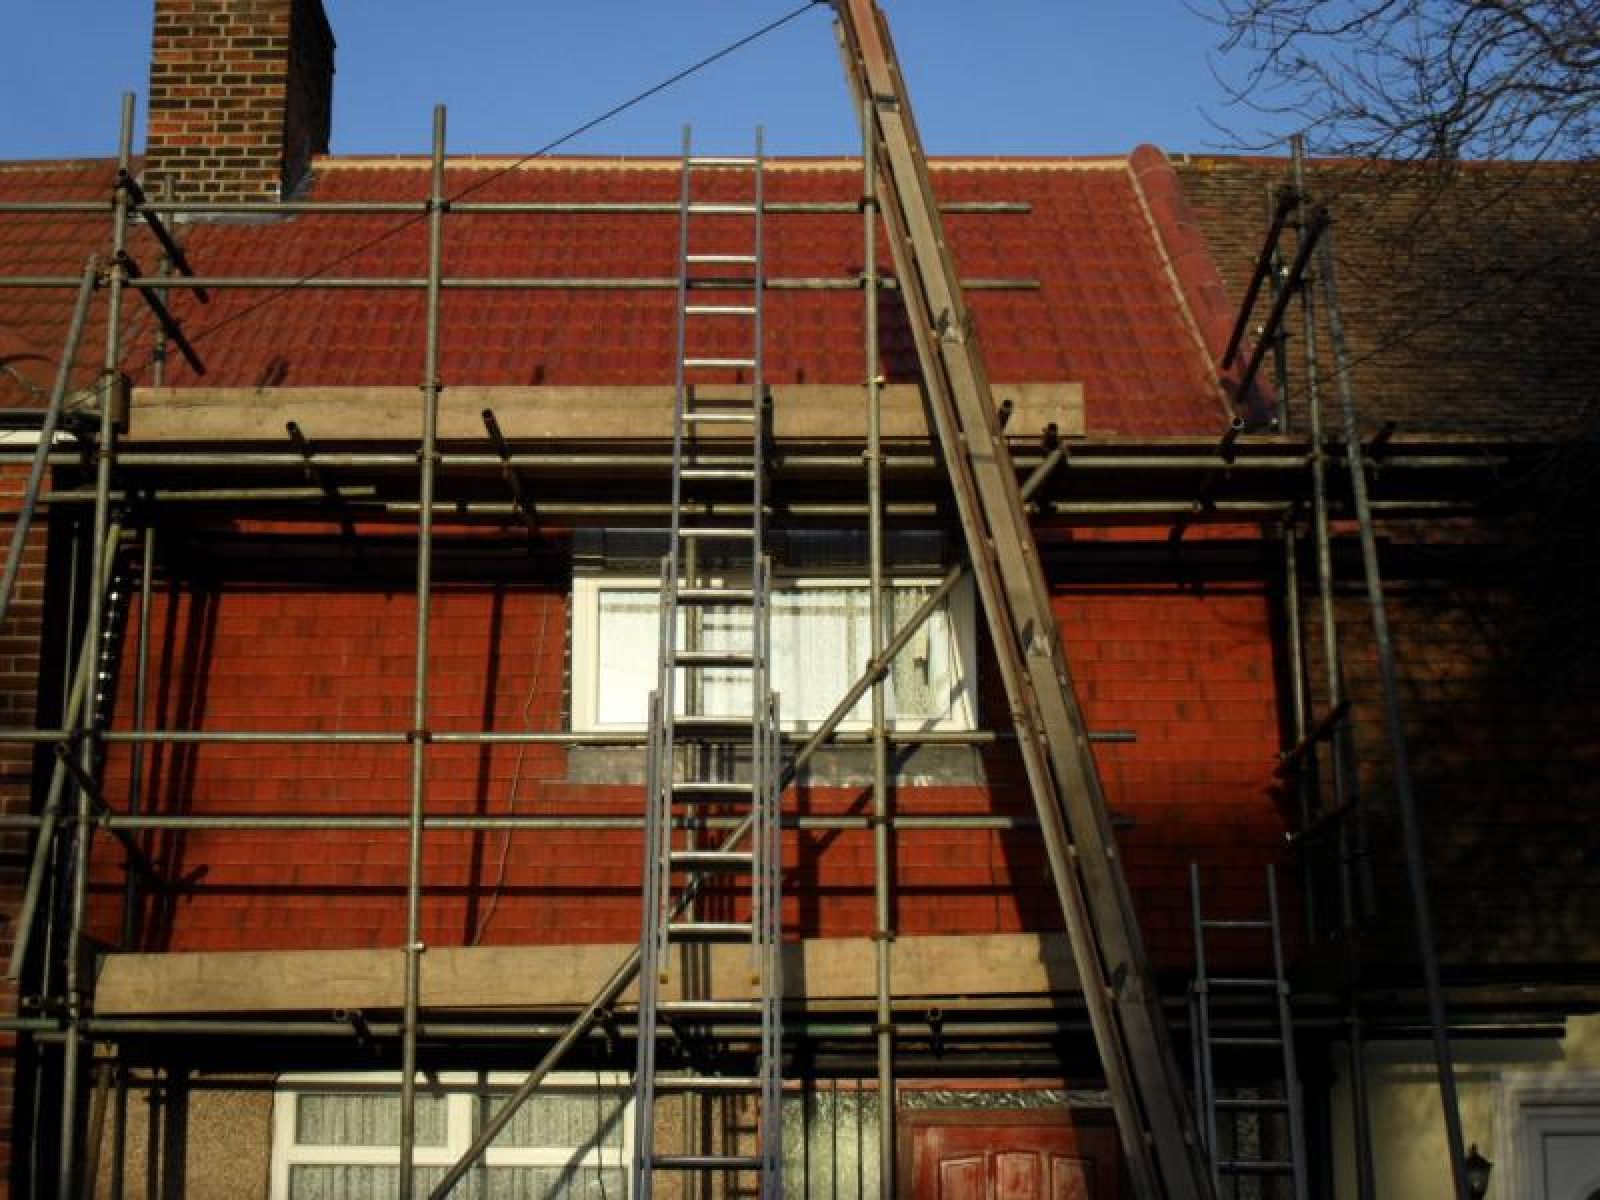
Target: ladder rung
x,y
729,533
712,788
720,310
706,1009
716,596
708,931
707,1083
706,1162
1251,1166
712,727
721,160
719,364
1246,1041
722,418
1267,1105
719,260
711,860
1228,924
734,474
712,658
723,207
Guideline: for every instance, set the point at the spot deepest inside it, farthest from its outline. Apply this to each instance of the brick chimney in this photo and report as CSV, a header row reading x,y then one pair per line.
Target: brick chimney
x,y
241,94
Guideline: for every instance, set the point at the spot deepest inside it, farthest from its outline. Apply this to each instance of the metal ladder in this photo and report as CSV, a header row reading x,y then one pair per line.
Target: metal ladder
x,y
1212,1106
714,641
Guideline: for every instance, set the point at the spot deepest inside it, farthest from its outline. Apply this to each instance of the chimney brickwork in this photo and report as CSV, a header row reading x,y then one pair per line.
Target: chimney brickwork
x,y
241,96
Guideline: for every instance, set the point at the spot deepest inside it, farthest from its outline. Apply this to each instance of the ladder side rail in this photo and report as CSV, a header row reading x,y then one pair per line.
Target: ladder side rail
x,y
654,943
649,967
1006,564
1291,1071
54,817
760,586
1205,1075
766,917
669,622
772,984
658,795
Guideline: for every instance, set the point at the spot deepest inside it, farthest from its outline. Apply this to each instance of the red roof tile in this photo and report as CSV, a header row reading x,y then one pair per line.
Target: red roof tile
x,y
1106,311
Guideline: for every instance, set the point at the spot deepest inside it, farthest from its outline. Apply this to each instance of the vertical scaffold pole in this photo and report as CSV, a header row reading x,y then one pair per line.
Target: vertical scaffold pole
x,y
1405,798
105,450
1344,787
1360,1114
882,933
428,467
136,752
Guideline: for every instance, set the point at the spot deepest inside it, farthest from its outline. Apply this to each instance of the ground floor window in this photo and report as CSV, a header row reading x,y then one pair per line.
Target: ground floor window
x,y
337,1137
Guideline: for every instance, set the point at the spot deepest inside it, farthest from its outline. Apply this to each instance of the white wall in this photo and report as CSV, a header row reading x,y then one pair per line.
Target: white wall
x,y
1409,1154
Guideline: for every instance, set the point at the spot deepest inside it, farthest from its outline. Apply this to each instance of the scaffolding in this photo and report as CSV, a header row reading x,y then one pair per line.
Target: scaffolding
x,y
1296,487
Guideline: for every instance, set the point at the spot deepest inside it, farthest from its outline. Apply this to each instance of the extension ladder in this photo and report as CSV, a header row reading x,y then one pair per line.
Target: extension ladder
x,y
1229,1161
713,731
1118,985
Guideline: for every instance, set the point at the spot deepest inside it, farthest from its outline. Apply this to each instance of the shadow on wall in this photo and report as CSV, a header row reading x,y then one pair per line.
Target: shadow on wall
x,y
1497,647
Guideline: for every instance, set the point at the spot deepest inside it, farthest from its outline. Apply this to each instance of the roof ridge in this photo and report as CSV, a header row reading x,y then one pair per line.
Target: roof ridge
x,y
1185,256
19,165
789,163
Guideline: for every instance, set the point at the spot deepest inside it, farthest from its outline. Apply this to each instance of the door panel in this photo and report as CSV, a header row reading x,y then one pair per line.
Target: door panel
x,y
1018,1175
1008,1156
961,1179
1072,1178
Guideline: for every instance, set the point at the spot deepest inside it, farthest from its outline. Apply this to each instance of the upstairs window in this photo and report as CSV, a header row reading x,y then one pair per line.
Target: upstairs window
x,y
821,644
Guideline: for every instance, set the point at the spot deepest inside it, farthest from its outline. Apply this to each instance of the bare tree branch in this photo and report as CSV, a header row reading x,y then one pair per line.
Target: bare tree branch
x,y
1434,80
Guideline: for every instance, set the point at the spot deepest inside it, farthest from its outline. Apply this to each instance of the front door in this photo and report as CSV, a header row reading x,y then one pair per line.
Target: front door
x,y
1026,1155
1563,1143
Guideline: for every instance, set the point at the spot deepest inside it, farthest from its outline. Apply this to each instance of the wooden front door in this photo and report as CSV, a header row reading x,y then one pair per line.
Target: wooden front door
x,y
1027,1155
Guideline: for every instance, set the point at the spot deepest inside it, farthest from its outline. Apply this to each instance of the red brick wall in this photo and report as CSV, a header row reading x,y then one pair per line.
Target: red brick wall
x,y
1191,674
19,670
240,94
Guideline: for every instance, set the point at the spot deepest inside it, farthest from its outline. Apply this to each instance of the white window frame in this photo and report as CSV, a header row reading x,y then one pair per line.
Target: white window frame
x,y
585,650
464,1092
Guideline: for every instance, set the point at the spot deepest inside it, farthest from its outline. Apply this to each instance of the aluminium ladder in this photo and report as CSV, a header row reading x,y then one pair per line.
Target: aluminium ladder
x,y
1234,1165
713,731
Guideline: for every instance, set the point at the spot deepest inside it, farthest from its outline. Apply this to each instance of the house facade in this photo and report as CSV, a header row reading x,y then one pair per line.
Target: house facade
x,y
209,884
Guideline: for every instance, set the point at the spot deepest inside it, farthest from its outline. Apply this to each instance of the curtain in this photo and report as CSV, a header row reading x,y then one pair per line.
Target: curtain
x,y
363,1119
821,643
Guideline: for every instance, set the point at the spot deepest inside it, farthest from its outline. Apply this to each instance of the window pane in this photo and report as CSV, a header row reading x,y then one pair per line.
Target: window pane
x,y
629,645
925,676
557,1183
819,645
334,1182
365,1119
725,692
580,1122
830,1143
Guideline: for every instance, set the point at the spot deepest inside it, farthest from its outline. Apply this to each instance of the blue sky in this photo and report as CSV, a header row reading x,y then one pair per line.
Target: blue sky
x,y
1025,77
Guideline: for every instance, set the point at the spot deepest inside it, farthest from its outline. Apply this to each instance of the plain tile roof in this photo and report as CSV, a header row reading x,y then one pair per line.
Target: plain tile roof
x,y
1103,308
